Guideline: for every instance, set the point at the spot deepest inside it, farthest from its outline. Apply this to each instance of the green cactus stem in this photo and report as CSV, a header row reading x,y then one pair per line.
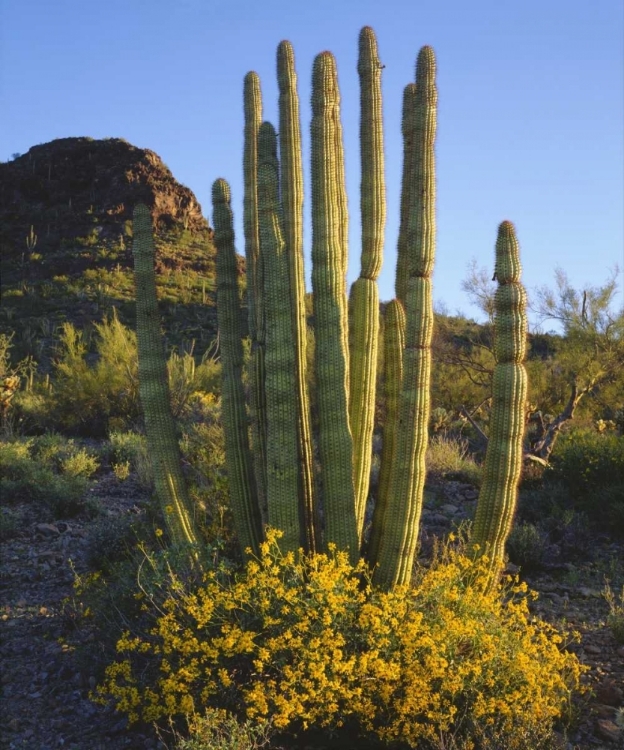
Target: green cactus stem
x,y
280,385
292,222
503,460
252,99
243,495
394,343
407,480
364,298
160,428
407,128
330,308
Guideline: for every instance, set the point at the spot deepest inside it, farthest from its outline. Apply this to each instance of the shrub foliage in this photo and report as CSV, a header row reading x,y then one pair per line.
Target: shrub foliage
x,y
306,641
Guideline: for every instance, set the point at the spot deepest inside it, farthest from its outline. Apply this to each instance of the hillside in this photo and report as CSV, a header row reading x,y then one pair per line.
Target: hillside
x,y
65,241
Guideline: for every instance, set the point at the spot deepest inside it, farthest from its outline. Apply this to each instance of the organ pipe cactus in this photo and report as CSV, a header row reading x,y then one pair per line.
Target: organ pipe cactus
x,y
503,460
281,433
282,423
329,253
292,221
252,98
160,428
243,493
407,473
394,343
364,297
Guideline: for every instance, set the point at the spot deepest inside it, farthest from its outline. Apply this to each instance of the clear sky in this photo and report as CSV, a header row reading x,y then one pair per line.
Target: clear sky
x,y
530,114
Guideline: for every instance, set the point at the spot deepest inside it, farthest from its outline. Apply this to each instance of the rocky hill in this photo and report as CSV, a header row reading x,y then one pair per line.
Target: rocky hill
x,y
66,238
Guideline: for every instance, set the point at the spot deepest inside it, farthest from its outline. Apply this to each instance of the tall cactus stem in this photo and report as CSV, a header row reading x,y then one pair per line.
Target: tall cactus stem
x,y
330,308
243,494
402,518
407,129
171,488
282,422
292,221
394,343
252,102
364,299
503,460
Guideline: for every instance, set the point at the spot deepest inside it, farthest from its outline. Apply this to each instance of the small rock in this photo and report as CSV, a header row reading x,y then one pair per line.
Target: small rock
x,y
590,648
586,593
608,730
449,509
48,529
609,693
604,712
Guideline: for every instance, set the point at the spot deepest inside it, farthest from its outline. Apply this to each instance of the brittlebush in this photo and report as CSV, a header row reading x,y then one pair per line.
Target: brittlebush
x,y
306,641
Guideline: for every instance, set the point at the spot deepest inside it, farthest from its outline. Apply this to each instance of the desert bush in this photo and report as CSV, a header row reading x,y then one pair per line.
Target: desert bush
x,y
590,465
112,541
449,456
615,618
131,448
220,730
9,524
526,546
59,486
307,642
84,396
587,458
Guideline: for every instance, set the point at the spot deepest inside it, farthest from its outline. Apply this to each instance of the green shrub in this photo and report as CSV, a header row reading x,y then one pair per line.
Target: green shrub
x,y
307,642
110,542
219,730
131,448
58,485
615,618
585,459
9,524
590,466
85,397
526,546
449,456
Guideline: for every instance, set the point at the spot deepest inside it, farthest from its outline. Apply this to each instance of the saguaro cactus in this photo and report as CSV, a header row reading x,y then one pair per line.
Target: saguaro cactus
x,y
407,475
243,494
364,297
329,253
503,459
160,428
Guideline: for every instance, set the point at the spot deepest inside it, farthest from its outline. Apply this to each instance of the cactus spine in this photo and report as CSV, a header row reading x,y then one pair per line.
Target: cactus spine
x,y
329,254
282,422
407,478
503,459
292,221
252,101
364,299
243,493
154,391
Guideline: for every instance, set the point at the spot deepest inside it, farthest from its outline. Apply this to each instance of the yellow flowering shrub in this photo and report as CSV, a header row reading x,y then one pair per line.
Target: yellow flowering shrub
x,y
307,641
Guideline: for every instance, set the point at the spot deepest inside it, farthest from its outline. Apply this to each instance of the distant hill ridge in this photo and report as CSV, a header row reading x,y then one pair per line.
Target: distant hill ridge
x,y
78,195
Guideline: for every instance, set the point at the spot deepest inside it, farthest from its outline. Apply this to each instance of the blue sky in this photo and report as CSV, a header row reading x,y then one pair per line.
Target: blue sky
x,y
530,115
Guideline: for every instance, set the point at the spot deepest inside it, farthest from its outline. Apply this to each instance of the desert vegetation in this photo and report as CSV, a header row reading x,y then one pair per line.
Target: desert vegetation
x,y
284,580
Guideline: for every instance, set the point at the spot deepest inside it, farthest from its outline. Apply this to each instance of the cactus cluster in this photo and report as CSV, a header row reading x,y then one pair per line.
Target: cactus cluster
x,y
272,475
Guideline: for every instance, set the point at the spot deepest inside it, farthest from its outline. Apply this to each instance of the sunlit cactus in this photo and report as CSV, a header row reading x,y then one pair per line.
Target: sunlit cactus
x,y
503,460
160,429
